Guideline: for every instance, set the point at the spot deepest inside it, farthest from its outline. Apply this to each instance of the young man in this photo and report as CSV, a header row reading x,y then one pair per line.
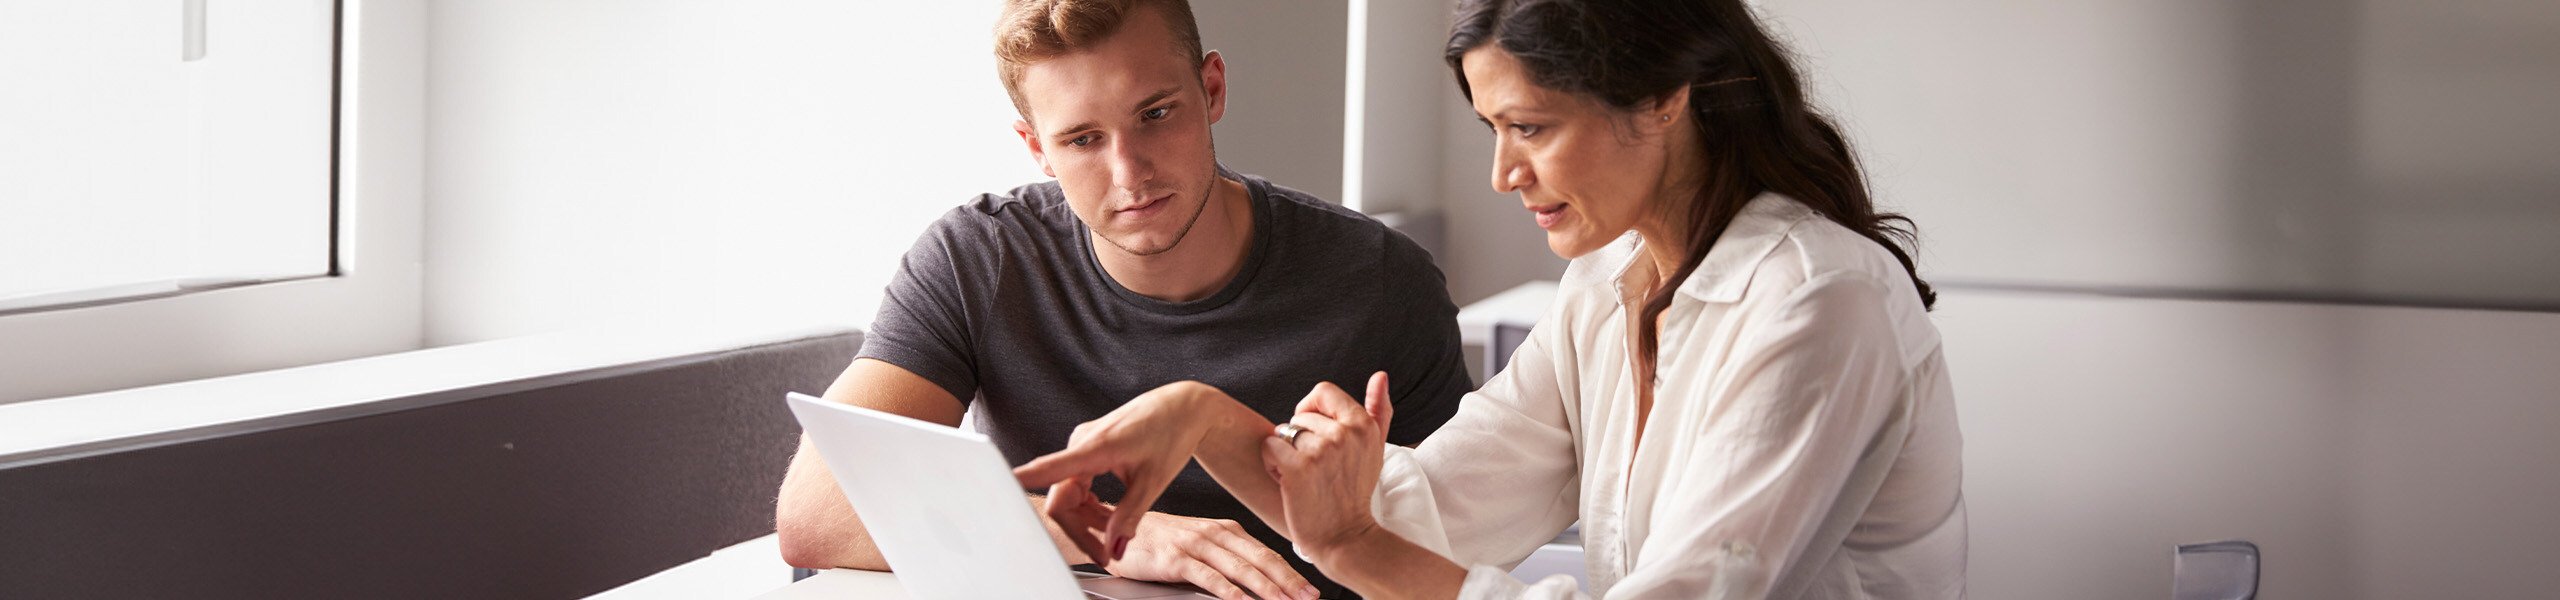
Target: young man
x,y
1145,263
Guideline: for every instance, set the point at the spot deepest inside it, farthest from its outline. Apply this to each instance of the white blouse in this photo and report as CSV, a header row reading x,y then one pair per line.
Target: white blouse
x,y
1802,441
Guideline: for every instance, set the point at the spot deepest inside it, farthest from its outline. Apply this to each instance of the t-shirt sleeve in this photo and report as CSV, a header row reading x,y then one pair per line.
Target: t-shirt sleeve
x,y
923,325
1428,372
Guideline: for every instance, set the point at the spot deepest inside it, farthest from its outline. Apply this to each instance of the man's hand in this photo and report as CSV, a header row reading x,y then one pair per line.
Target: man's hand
x,y
1214,554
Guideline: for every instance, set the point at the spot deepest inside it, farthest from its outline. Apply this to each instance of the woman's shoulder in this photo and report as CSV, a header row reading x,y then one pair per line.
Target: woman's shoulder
x,y
1777,245
1819,264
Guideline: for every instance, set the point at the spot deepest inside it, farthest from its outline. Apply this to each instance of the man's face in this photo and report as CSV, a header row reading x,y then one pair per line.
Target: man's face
x,y
1124,126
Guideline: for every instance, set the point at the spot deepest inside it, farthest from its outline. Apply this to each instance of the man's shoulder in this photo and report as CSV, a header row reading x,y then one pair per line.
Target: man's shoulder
x,y
1329,237
1299,208
1311,221
1032,210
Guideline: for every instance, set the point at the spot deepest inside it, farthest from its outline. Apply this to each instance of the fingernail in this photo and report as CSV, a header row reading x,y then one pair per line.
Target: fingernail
x,y
1119,548
1307,593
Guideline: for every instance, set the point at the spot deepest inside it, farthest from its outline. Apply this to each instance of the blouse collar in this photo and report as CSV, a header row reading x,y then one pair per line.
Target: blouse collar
x,y
1726,271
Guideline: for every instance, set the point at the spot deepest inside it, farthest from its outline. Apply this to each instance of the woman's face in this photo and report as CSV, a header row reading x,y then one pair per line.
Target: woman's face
x,y
1586,173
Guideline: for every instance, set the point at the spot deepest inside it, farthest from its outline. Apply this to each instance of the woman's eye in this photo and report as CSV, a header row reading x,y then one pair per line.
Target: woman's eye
x,y
1525,129
1156,114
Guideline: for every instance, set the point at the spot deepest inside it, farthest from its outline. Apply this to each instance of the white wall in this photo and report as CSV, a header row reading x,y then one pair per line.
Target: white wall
x,y
598,163
609,164
1284,88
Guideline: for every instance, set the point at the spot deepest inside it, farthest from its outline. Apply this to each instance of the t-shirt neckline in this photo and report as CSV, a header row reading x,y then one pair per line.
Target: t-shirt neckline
x,y
1258,195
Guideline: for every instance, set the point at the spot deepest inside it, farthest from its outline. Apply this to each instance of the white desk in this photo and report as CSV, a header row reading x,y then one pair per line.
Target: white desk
x,y
841,584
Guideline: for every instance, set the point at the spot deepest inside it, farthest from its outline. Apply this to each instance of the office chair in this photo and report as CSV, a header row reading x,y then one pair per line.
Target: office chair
x,y
2226,570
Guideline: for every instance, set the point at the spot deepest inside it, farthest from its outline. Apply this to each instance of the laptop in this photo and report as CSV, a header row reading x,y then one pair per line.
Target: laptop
x,y
946,512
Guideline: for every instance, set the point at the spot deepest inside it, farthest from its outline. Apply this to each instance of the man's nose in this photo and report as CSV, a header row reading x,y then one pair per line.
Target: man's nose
x,y
1131,167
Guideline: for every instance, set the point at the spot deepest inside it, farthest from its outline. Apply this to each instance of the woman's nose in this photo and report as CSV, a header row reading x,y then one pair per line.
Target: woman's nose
x,y
1509,175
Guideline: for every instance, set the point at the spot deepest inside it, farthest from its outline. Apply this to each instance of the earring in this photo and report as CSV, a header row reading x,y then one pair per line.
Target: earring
x,y
1666,118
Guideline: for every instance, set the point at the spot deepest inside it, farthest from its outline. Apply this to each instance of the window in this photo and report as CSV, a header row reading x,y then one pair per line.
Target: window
x,y
369,307
158,147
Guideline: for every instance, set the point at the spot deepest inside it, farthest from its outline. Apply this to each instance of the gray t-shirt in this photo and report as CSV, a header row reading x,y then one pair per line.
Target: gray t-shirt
x,y
1001,302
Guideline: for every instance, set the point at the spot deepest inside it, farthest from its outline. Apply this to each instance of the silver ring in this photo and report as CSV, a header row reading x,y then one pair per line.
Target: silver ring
x,y
1288,432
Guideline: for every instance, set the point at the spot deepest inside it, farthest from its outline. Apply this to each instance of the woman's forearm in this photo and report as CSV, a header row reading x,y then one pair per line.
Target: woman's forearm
x,y
1380,564
1231,449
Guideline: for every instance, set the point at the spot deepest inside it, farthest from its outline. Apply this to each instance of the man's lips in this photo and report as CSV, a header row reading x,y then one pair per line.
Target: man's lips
x,y
1147,204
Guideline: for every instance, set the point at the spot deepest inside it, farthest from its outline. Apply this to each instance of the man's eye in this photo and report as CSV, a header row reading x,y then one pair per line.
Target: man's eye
x,y
1156,114
1081,141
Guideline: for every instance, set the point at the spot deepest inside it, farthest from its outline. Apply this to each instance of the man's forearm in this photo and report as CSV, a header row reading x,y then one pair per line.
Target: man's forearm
x,y
817,527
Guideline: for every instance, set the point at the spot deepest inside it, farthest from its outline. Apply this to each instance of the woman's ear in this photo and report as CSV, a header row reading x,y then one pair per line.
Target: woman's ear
x,y
1668,109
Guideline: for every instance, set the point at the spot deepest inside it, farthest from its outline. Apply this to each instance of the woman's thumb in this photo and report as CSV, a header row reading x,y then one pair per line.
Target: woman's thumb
x,y
1380,407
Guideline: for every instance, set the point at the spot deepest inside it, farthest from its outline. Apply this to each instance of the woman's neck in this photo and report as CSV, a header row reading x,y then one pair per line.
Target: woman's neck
x,y
1666,229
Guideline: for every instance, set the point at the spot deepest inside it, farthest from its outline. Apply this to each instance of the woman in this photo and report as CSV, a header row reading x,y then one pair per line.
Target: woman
x,y
1738,392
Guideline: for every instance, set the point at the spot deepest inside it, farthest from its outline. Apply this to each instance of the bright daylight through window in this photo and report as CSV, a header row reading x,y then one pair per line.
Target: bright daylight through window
x,y
152,147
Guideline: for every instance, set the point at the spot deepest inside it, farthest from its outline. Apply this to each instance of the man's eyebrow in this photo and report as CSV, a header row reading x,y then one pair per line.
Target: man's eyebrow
x,y
1159,96
1078,128
1150,100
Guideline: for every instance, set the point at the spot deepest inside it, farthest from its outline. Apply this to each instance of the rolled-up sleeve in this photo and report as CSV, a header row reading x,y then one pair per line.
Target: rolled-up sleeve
x,y
1502,477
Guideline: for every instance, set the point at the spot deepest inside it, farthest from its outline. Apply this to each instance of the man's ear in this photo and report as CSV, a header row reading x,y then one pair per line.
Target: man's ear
x,y
1031,141
1213,79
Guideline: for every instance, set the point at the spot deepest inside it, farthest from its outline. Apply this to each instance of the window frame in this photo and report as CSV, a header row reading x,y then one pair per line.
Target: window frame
x,y
367,303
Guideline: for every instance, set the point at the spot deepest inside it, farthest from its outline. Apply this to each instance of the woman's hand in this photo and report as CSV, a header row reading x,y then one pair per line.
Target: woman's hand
x,y
1145,443
1326,475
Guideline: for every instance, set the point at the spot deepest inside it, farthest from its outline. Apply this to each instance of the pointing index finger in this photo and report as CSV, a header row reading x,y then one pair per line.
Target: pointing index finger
x,y
1050,469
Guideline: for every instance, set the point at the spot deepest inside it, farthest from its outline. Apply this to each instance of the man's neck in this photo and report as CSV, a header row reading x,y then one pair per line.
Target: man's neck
x,y
1199,265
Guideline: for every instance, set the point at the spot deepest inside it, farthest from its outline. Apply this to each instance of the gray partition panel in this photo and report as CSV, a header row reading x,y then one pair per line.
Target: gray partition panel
x,y
2396,153
554,488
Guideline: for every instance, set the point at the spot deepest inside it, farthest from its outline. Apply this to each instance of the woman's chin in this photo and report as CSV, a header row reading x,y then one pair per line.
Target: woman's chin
x,y
1570,245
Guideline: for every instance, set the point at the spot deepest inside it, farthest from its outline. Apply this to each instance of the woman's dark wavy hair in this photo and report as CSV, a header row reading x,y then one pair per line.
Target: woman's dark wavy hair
x,y
1761,133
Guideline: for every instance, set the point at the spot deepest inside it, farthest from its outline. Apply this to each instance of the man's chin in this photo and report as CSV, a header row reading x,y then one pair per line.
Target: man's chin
x,y
1143,245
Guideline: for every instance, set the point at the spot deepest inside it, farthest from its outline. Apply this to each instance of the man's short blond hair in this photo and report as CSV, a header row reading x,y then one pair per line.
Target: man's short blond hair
x,y
1036,30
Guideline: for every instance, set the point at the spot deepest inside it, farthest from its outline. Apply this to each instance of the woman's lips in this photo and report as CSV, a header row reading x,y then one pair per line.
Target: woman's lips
x,y
1548,214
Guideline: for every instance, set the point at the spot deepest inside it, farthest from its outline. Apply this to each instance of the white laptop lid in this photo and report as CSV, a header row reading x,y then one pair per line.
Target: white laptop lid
x,y
940,503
